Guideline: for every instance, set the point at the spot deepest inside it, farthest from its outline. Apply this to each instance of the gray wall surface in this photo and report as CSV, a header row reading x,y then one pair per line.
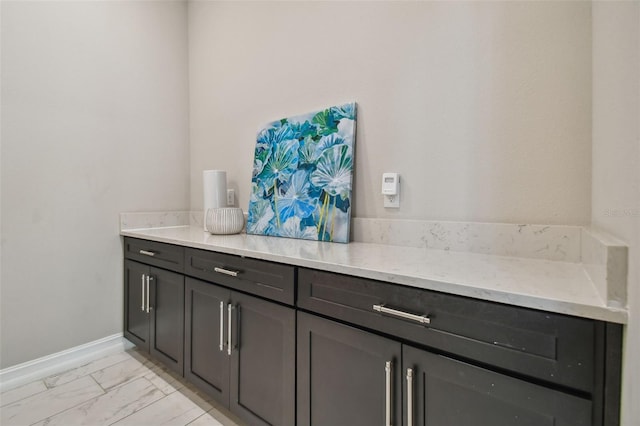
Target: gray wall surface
x,y
484,108
521,112
94,122
616,162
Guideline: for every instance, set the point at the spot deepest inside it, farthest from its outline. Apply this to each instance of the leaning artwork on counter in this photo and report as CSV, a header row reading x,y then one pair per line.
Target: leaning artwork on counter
x,y
302,176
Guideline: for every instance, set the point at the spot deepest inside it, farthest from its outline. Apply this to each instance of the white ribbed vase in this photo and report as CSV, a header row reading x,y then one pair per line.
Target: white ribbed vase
x,y
224,220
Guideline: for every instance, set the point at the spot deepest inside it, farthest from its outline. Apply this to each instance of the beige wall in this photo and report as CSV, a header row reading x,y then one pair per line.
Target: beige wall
x,y
484,108
616,160
94,122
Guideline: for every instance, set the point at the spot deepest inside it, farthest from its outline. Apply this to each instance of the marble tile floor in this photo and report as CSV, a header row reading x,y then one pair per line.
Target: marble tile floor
x,y
123,389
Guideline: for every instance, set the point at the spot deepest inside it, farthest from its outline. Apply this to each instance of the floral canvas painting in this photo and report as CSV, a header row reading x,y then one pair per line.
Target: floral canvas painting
x,y
302,176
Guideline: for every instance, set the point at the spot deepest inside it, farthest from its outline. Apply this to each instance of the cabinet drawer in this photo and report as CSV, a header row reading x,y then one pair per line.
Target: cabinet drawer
x,y
269,280
552,347
167,256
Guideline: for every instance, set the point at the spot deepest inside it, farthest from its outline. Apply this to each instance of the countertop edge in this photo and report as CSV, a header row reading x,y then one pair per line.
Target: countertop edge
x,y
539,302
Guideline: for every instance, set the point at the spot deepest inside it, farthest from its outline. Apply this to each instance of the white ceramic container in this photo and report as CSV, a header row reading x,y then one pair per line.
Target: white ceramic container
x,y
224,220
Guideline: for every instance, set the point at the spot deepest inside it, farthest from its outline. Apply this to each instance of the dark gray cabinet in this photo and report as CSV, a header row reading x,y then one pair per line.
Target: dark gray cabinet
x,y
206,359
268,280
346,376
549,347
464,361
262,361
240,349
280,345
441,391
136,318
154,312
162,255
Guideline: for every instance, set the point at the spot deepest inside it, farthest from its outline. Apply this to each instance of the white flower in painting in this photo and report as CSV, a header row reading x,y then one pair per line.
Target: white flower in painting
x,y
329,141
291,229
346,129
260,215
334,171
296,201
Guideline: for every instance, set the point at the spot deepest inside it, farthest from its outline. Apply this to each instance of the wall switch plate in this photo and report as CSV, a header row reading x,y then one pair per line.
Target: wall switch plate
x,y
231,197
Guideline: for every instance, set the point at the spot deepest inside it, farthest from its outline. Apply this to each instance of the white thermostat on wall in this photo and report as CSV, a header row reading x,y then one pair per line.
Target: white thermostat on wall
x,y
390,183
391,189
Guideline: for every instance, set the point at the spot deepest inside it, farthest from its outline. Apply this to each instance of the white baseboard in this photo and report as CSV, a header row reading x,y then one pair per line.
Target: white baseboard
x,y
17,375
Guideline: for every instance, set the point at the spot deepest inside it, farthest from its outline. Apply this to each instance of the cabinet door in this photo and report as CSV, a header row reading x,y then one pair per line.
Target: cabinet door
x,y
448,392
167,318
136,319
342,380
262,361
206,358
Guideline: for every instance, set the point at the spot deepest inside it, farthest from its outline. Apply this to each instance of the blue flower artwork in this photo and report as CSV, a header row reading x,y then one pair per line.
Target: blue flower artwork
x,y
302,176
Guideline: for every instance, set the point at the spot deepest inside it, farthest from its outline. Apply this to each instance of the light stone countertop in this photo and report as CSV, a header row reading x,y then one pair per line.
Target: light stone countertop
x,y
554,286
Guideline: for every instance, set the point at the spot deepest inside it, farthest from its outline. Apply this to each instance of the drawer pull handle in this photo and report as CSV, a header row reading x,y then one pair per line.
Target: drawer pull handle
x,y
422,319
143,299
226,271
147,253
229,342
409,397
221,326
149,278
387,393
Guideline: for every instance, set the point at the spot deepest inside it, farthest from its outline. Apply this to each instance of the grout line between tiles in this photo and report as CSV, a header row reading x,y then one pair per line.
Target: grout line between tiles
x,y
46,388
96,382
68,408
95,398
141,408
119,385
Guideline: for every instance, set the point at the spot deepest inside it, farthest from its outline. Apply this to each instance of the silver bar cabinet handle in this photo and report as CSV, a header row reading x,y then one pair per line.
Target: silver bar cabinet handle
x,y
142,286
387,375
422,319
221,326
147,253
148,278
226,271
409,397
230,308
